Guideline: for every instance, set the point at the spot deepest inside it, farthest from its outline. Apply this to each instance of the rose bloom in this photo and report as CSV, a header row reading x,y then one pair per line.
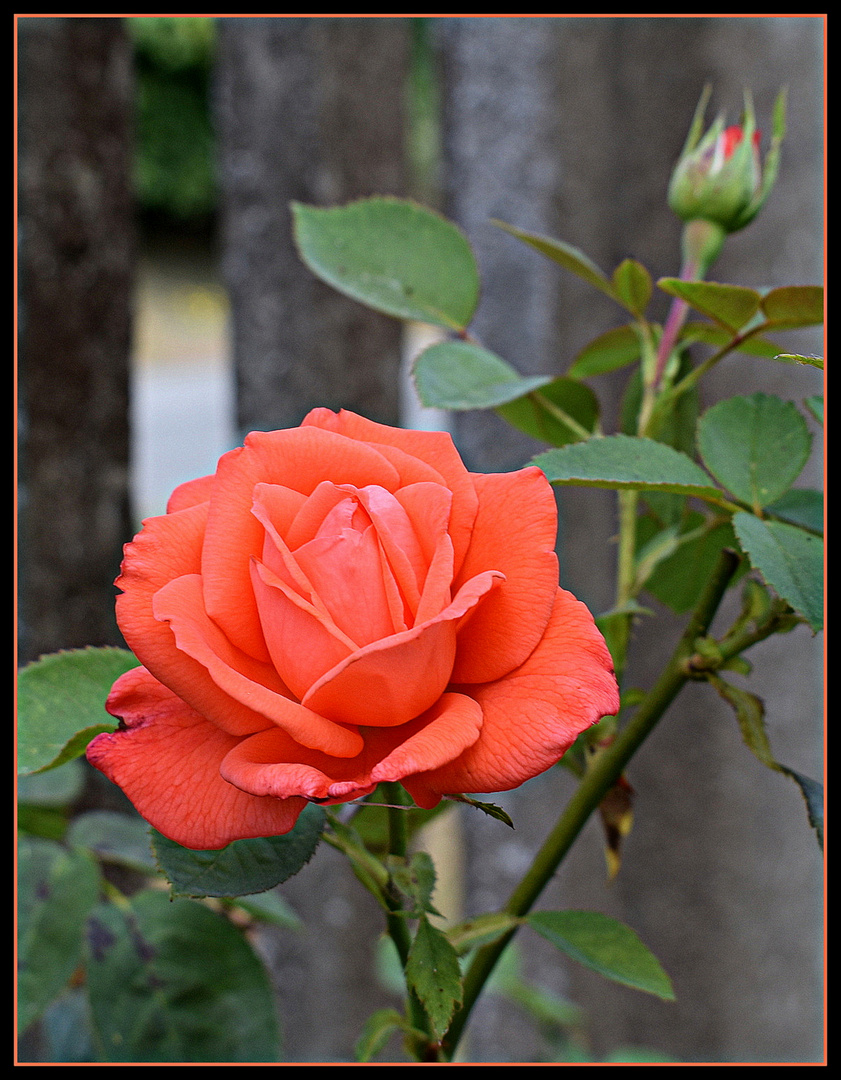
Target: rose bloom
x,y
339,605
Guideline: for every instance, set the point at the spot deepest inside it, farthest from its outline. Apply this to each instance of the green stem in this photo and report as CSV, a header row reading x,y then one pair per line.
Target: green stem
x,y
596,783
692,378
626,571
396,922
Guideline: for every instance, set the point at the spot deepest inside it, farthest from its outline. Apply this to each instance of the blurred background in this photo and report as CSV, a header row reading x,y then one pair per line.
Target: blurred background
x,y
164,313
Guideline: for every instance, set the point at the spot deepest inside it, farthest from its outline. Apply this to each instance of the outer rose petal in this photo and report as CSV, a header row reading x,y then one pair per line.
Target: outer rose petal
x,y
168,548
192,493
272,764
533,715
240,677
514,532
167,760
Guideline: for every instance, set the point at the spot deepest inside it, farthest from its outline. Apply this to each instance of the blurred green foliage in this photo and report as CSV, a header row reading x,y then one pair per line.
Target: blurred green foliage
x,y
174,158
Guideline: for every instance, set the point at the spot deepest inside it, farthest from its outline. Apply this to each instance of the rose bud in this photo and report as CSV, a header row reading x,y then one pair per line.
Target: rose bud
x,y
343,604
720,177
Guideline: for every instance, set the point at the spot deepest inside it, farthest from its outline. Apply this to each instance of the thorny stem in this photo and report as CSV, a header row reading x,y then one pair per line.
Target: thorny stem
x,y
592,789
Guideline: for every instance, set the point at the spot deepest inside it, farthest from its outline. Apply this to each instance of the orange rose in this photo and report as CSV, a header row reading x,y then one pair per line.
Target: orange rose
x,y
344,604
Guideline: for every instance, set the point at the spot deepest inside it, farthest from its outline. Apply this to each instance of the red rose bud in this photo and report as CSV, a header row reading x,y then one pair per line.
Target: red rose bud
x,y
720,177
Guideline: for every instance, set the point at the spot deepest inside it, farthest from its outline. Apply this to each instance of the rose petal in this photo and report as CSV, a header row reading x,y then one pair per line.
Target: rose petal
x,y
406,449
532,716
169,547
279,505
437,589
192,493
167,760
286,617
443,732
241,677
346,574
297,458
514,533
272,764
395,680
312,513
428,508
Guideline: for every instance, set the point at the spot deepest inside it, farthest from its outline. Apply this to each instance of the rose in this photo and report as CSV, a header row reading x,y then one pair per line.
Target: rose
x,y
340,605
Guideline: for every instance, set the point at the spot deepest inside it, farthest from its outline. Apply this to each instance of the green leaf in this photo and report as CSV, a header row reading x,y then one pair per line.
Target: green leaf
x,y
750,714
632,283
800,506
55,787
561,412
677,426
378,1029
632,1055
717,337
45,800
371,825
56,891
61,704
244,866
176,982
789,559
799,358
754,446
433,973
679,579
65,1030
812,793
793,306
567,256
815,406
394,256
480,931
731,306
606,946
459,375
414,878
115,838
487,808
269,907
610,351
625,462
